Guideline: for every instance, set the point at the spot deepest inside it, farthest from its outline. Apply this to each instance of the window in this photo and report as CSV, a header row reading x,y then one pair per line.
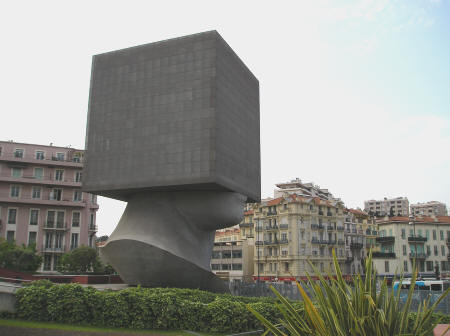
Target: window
x,y
15,191
404,250
47,262
18,153
34,216
32,238
78,176
443,250
59,174
50,219
0,151
75,219
74,241
429,266
428,250
403,234
92,222
215,267
40,155
237,267
36,192
55,195
261,267
441,234
60,156
60,219
226,267
405,266
226,254
285,206
10,236
12,216
427,234
286,267
16,172
38,173
59,240
386,266
77,196
434,234
237,254
435,250
215,255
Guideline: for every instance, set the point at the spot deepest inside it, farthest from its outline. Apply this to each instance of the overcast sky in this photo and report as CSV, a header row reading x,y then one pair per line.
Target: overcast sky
x,y
355,95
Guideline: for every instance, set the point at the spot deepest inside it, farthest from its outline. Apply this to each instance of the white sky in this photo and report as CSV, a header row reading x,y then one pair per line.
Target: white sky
x,y
355,95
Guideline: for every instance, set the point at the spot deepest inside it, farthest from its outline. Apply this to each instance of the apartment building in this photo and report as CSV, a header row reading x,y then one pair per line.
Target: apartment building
x,y
41,201
355,222
429,208
396,206
403,240
304,223
232,256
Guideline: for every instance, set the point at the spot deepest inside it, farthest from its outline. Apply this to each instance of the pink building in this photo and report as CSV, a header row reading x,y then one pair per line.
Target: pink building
x,y
41,200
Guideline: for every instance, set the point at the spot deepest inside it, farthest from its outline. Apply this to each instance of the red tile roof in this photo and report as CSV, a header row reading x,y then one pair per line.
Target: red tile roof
x,y
249,212
418,219
275,201
358,212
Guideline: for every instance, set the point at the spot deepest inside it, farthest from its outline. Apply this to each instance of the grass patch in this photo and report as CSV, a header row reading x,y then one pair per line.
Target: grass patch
x,y
69,327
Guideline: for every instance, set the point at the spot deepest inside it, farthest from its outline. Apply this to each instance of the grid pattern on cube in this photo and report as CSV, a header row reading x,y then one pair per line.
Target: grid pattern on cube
x,y
153,118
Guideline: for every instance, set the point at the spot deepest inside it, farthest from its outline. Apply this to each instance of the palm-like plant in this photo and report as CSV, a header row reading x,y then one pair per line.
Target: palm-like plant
x,y
336,308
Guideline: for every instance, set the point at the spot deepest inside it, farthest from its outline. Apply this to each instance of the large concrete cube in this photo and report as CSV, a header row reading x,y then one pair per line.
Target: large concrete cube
x,y
180,114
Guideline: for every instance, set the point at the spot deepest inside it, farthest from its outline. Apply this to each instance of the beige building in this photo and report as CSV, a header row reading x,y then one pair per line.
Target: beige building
x,y
355,222
304,223
403,240
232,256
398,206
429,209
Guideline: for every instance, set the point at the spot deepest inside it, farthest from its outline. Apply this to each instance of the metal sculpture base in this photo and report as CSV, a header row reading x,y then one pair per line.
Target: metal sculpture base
x,y
165,239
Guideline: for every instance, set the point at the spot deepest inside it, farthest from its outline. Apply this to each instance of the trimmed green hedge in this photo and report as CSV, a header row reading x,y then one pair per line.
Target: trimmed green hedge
x,y
142,308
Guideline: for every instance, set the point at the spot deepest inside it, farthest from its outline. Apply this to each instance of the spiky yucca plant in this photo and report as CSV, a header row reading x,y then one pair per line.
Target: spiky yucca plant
x,y
336,308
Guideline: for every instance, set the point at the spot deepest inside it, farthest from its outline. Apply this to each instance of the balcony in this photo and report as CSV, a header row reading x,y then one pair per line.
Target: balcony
x,y
321,227
57,226
349,259
271,242
259,242
258,228
340,228
329,214
93,228
284,241
355,245
44,181
284,226
314,240
331,242
13,158
323,241
314,226
383,255
42,201
330,227
385,240
272,213
246,224
417,255
353,230
416,239
271,227
321,212
341,242
52,249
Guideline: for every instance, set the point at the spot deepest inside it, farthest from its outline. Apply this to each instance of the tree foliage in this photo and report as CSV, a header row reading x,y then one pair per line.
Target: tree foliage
x,y
19,258
83,259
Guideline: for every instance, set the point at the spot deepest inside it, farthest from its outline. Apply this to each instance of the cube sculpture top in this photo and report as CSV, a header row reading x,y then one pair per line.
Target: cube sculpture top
x,y
180,114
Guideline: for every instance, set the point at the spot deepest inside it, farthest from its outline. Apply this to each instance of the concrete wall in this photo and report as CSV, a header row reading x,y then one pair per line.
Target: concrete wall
x,y
173,115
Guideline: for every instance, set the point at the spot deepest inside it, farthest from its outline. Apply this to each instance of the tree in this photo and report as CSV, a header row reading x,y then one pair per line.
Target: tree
x,y
19,258
102,238
83,259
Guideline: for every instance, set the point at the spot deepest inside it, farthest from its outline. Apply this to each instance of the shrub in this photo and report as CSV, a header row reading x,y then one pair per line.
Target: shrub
x,y
335,308
19,258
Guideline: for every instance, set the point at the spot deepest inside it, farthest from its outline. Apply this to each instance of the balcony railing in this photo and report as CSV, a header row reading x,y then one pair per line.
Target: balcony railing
x,y
271,212
417,239
321,227
284,226
340,228
258,242
284,241
330,227
271,227
321,212
341,242
314,226
329,214
355,245
93,228
258,228
385,255
314,240
55,226
417,255
59,249
384,240
246,224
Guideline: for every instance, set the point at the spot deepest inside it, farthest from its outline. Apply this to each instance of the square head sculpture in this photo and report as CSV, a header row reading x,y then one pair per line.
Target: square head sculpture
x,y
180,114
